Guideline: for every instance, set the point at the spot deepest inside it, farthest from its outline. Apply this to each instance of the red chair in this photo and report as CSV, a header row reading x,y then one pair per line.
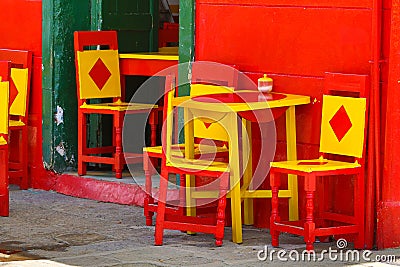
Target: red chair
x,y
168,34
4,121
171,163
342,140
98,77
20,76
207,78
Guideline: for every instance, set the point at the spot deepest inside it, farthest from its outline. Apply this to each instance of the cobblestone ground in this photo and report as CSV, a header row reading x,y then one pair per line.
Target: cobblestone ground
x,y
50,229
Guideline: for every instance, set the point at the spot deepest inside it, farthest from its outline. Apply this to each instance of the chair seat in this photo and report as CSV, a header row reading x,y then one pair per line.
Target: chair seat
x,y
14,123
119,106
3,141
179,150
315,165
197,165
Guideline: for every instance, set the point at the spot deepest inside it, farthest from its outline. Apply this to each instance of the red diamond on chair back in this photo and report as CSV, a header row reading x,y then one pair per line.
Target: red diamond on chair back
x,y
100,73
13,92
340,123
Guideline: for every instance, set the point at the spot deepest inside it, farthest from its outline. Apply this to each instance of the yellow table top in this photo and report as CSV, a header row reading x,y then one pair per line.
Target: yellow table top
x,y
252,100
150,56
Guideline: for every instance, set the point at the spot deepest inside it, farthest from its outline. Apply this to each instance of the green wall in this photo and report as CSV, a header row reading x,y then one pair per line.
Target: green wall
x,y
60,20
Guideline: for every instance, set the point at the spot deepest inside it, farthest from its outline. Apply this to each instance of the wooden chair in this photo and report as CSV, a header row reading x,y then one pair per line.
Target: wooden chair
x,y
20,77
98,77
207,78
168,34
181,165
4,121
342,134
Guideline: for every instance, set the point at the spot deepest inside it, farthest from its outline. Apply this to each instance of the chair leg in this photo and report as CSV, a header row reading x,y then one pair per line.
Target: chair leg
x,y
4,194
159,231
119,158
23,150
219,231
309,225
147,166
275,183
153,121
81,142
359,212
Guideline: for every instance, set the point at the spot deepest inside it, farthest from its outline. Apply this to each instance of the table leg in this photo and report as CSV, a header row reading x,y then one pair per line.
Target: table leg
x,y
189,153
292,155
248,217
232,128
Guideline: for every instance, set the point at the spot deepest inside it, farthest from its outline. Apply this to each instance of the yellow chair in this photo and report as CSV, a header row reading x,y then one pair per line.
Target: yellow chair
x,y
343,134
98,77
4,121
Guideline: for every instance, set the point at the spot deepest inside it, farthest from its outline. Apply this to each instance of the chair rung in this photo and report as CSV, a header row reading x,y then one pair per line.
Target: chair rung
x,y
289,228
293,228
337,230
169,210
97,159
182,226
265,194
99,150
191,219
15,165
15,173
338,217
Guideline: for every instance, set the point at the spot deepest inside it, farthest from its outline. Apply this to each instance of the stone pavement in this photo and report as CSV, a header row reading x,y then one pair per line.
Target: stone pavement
x,y
50,229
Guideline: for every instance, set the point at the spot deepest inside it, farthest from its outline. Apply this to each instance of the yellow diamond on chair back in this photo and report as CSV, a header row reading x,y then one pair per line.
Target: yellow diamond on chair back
x,y
18,91
99,75
202,129
342,126
4,94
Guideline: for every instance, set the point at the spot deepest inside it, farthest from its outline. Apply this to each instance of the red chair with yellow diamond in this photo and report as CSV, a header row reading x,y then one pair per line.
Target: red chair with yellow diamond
x,y
98,78
217,171
342,135
4,121
21,67
207,78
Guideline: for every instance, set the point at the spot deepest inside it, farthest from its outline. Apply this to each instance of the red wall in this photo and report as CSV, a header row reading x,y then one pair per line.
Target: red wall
x,y
295,42
21,28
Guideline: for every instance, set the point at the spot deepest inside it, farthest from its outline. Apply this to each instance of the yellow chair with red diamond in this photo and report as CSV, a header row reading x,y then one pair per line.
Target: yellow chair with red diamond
x,y
98,77
342,135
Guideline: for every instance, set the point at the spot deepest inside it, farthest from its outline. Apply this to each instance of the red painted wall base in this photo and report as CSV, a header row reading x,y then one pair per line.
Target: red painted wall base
x,y
89,188
388,224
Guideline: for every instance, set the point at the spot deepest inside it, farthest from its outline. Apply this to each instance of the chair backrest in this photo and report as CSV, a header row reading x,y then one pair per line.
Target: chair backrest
x,y
97,65
343,125
212,78
4,97
20,80
214,73
214,129
354,85
168,34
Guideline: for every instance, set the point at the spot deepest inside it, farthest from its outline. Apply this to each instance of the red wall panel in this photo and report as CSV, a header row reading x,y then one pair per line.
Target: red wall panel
x,y
21,25
295,42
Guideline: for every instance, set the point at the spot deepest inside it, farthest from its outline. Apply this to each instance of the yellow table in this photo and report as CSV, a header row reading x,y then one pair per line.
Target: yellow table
x,y
225,110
